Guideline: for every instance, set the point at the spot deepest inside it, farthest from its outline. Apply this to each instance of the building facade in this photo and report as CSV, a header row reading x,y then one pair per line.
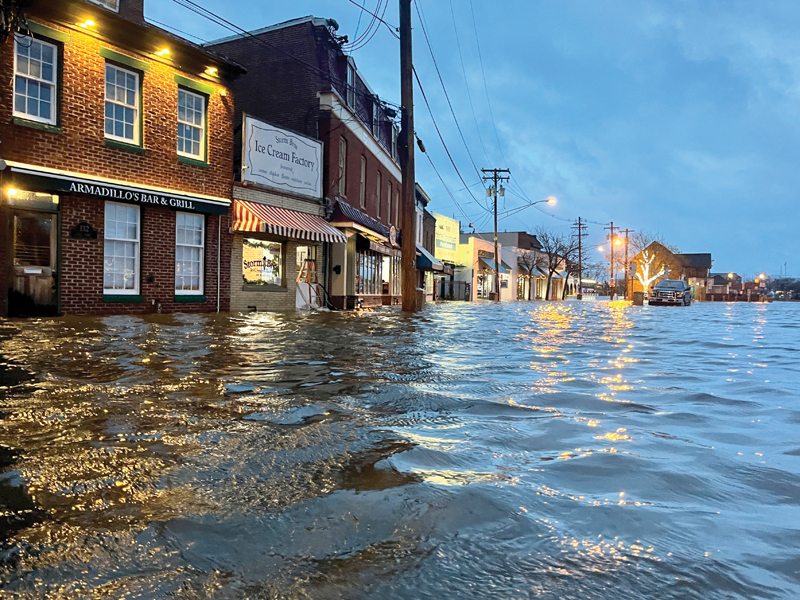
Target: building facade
x,y
116,165
299,78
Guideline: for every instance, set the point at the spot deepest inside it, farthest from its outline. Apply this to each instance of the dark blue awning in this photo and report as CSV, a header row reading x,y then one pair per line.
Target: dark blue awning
x,y
426,260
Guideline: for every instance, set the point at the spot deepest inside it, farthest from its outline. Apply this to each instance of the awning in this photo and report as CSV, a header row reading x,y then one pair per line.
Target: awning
x,y
538,272
523,270
262,218
426,260
490,267
505,265
345,215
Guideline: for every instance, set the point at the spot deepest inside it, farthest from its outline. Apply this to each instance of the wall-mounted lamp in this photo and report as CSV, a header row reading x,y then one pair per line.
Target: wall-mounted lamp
x,y
86,24
211,71
163,52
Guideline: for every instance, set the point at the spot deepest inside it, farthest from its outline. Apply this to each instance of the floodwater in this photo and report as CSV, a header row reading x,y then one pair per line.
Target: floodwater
x,y
587,450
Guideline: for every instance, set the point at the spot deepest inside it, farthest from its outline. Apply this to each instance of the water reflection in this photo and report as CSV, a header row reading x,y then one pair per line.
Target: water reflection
x,y
516,450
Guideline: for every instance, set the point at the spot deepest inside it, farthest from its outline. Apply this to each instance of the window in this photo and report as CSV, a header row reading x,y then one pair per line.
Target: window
x,y
376,119
351,86
388,203
35,74
189,253
378,195
122,104
262,262
342,167
362,190
191,124
396,207
121,249
395,135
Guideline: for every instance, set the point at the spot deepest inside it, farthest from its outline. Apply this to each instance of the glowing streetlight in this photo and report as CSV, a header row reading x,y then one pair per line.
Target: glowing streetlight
x,y
601,249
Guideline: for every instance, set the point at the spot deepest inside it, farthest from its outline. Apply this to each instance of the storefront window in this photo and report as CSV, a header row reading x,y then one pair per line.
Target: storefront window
x,y
262,262
307,263
368,272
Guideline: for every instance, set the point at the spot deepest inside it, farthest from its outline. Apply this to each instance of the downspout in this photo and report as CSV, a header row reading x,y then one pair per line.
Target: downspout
x,y
219,255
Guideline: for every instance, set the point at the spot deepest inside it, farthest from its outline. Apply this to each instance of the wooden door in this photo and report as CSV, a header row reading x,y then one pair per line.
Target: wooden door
x,y
35,264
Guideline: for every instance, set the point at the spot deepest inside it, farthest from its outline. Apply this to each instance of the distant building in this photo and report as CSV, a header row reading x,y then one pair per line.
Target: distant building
x,y
692,268
116,163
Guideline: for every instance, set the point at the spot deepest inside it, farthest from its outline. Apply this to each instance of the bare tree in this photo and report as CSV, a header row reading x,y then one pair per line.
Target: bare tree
x,y
558,250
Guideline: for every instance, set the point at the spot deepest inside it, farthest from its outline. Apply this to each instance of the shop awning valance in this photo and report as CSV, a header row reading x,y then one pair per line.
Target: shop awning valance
x,y
262,218
489,266
426,261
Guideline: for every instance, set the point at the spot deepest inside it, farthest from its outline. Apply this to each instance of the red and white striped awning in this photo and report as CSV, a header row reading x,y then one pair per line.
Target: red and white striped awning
x,y
262,218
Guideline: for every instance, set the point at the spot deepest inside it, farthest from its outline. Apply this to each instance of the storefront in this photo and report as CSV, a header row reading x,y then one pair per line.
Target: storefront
x,y
365,270
429,267
277,256
75,244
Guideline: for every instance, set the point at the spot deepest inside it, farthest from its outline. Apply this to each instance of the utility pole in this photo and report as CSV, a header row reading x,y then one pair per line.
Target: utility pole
x,y
580,229
409,246
611,240
627,231
496,177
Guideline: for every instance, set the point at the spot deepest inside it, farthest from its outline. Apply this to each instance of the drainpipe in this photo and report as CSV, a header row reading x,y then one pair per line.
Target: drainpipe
x,y
219,255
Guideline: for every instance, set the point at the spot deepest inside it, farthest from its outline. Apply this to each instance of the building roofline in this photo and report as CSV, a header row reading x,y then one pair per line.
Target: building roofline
x,y
315,21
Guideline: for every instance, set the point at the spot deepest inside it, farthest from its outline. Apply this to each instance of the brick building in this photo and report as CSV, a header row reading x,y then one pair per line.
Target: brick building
x,y
299,79
116,165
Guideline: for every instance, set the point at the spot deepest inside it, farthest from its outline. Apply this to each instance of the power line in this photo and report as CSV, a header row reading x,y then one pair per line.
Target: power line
x,y
218,20
391,28
466,81
441,138
444,88
486,87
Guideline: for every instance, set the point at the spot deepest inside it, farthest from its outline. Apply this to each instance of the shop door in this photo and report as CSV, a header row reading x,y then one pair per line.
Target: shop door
x,y
34,263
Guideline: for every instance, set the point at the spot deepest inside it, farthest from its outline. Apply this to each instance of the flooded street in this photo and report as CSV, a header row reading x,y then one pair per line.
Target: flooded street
x,y
521,450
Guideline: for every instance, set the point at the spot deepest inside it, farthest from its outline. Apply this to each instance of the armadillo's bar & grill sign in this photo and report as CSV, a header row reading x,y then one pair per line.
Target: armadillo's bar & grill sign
x,y
64,182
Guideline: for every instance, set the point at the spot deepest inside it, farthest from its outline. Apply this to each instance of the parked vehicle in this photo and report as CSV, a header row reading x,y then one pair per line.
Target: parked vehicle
x,y
671,291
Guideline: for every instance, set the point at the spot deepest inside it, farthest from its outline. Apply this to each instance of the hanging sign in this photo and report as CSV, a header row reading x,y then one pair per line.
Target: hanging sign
x,y
281,159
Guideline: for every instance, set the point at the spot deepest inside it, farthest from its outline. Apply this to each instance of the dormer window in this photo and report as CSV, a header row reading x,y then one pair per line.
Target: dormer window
x,y
351,86
376,119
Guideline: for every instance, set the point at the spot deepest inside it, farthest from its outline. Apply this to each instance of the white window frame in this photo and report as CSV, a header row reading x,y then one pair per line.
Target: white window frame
x,y
395,136
137,253
137,119
397,208
201,290
362,190
53,84
343,167
351,86
201,154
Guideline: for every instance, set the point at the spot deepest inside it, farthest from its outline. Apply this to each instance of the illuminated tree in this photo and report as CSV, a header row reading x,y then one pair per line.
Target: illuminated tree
x,y
645,266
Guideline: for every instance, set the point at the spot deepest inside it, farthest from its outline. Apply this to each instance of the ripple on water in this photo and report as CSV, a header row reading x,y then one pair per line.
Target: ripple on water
x,y
553,450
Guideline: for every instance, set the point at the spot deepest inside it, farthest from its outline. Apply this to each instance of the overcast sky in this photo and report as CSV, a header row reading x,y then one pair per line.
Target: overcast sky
x,y
677,118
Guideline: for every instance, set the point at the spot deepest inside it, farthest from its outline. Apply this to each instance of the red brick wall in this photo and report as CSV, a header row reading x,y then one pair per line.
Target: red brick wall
x,y
331,131
81,281
81,147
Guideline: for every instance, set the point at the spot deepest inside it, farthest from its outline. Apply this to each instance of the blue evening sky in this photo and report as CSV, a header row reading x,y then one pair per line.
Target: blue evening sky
x,y
677,118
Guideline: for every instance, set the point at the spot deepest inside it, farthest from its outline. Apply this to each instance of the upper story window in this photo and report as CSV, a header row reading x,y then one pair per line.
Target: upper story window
x,y
395,135
35,79
122,104
378,196
111,4
351,86
376,119
342,167
191,124
362,190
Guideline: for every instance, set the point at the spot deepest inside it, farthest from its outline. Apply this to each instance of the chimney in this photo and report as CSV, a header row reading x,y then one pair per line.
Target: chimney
x,y
132,10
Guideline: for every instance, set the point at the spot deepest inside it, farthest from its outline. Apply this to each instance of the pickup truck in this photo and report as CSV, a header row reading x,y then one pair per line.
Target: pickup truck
x,y
671,291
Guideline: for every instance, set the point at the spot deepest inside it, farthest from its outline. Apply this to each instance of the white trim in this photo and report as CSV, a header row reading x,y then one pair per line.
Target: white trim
x,y
53,85
202,147
137,256
137,105
25,169
201,290
332,102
